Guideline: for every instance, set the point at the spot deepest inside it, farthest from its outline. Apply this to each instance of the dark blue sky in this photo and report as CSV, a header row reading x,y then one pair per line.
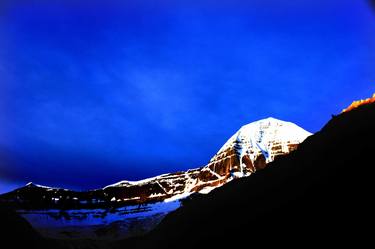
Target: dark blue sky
x,y
95,93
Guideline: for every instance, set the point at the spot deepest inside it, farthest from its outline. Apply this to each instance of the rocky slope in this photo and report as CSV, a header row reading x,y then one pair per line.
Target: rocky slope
x,y
358,103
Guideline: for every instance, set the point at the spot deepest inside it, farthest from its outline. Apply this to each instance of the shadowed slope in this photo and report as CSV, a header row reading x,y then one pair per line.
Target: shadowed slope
x,y
319,194
16,232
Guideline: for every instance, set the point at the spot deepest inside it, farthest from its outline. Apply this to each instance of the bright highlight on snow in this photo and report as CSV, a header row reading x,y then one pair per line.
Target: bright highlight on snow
x,y
258,143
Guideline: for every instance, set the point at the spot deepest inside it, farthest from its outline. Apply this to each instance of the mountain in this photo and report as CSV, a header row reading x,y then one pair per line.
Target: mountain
x,y
131,208
249,149
255,145
320,195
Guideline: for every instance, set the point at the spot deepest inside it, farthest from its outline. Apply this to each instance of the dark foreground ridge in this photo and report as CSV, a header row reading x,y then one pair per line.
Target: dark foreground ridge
x,y
319,195
16,232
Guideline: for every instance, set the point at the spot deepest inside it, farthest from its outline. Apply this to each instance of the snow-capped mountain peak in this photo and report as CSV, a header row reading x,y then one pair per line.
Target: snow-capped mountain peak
x,y
257,144
263,133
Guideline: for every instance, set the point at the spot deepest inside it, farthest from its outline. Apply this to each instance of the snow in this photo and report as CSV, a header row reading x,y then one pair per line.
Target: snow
x,y
84,223
88,217
130,199
156,195
131,183
30,184
177,197
212,172
206,190
238,174
261,135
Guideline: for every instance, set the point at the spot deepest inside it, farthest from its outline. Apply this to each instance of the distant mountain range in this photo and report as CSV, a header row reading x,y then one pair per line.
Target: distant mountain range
x,y
133,207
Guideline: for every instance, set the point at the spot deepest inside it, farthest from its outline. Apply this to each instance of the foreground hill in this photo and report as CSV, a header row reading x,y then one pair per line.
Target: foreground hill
x,y
319,195
16,232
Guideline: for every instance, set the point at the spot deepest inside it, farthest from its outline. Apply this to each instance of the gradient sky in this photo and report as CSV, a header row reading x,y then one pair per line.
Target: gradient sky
x,y
91,94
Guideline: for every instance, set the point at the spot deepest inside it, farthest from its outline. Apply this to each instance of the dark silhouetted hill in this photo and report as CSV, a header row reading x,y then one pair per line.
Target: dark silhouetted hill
x,y
320,195
16,232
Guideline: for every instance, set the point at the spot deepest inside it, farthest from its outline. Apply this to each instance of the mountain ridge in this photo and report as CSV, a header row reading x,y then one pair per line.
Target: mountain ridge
x,y
317,195
208,174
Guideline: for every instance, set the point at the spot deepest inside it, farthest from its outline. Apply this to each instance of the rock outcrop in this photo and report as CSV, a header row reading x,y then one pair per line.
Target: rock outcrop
x,y
358,103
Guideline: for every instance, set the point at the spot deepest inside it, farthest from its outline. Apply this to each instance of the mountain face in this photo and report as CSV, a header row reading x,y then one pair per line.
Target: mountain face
x,y
255,145
319,195
248,150
133,207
